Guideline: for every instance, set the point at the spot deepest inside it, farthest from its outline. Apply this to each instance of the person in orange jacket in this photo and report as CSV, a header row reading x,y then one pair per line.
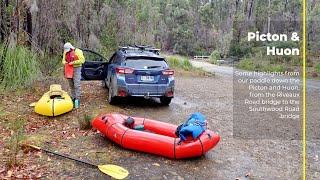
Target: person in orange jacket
x,y
74,56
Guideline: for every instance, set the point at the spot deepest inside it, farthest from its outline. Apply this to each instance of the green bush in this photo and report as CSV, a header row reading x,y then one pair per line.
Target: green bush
x,y
179,62
260,64
240,49
199,50
247,64
186,65
284,44
85,123
173,61
274,68
318,68
214,57
20,67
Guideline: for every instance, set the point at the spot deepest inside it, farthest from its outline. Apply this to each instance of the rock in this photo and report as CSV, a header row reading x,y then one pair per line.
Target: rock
x,y
2,170
19,176
156,164
38,175
173,173
9,173
180,178
314,74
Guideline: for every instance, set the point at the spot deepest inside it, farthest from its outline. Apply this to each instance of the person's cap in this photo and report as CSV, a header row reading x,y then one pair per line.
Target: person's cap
x,y
68,46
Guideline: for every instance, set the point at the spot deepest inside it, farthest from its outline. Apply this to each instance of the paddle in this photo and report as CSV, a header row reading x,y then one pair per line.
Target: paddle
x,y
114,171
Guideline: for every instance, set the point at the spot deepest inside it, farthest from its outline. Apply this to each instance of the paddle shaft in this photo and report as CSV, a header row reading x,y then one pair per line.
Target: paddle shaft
x,y
68,157
114,171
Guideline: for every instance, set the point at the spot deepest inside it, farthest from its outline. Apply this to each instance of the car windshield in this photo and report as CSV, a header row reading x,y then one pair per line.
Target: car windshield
x,y
146,64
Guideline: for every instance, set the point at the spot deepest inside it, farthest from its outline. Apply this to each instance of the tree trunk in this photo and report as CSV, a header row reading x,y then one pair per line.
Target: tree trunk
x,y
4,20
29,26
17,20
2,33
250,9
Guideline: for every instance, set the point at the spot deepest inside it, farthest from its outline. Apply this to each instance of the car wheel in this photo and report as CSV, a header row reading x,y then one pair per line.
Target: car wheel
x,y
165,100
111,98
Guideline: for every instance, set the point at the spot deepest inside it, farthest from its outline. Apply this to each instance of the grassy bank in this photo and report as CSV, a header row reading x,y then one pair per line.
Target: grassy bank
x,y
265,64
21,66
182,65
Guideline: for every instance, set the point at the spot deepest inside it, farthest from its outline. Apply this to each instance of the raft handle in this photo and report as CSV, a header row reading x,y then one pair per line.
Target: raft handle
x,y
209,135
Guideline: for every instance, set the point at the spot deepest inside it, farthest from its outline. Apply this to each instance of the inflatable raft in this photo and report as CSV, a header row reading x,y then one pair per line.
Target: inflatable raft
x,y
54,102
157,137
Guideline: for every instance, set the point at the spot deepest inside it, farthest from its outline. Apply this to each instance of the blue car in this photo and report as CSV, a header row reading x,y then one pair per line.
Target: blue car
x,y
132,71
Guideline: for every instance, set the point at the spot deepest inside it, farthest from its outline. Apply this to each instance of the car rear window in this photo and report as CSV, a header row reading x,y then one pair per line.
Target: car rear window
x,y
146,64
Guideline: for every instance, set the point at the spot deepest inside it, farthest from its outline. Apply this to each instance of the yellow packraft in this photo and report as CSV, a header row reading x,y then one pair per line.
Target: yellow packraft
x,y
54,102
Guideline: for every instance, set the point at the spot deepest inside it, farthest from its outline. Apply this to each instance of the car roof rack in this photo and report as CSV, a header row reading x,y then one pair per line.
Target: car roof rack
x,y
139,48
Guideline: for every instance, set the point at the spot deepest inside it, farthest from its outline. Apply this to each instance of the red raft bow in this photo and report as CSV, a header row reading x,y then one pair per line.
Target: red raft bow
x,y
152,136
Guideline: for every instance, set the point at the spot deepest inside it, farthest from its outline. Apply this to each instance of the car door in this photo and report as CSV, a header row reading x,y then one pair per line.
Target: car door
x,y
95,66
111,68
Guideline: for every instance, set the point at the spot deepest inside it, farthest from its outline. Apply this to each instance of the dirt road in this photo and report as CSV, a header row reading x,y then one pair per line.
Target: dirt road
x,y
232,158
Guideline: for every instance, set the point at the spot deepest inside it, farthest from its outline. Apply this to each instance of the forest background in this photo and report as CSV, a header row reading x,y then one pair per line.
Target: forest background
x,y
32,32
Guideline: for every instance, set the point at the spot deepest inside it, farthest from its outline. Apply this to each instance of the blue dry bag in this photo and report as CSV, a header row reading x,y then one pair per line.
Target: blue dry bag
x,y
194,126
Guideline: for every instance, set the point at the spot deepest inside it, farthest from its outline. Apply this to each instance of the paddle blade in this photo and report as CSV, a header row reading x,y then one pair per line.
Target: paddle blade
x,y
114,171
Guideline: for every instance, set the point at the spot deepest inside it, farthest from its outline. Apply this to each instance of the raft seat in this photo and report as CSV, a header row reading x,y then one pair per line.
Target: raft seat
x,y
55,90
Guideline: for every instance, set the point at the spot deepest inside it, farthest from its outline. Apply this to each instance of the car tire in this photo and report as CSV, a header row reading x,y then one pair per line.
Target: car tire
x,y
111,98
165,100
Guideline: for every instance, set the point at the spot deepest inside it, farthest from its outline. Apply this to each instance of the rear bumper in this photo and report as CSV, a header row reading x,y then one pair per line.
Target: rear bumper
x,y
151,90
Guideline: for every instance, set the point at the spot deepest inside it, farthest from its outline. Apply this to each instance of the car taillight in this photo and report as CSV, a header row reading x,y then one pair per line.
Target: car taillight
x,y
122,93
169,94
121,70
168,72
